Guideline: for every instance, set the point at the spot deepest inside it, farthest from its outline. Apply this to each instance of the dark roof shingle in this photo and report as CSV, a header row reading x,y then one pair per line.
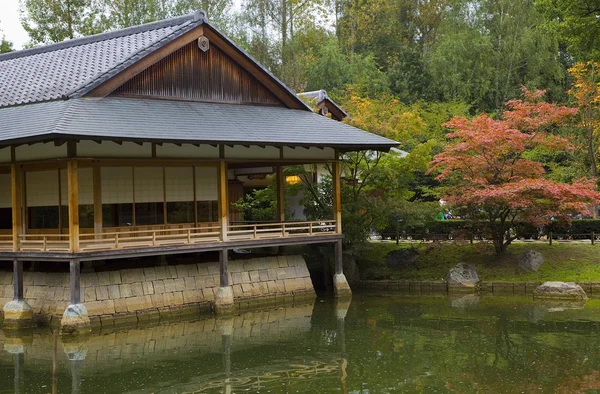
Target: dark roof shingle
x,y
130,119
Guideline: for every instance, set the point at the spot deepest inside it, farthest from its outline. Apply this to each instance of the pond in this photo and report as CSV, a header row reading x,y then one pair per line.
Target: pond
x,y
375,344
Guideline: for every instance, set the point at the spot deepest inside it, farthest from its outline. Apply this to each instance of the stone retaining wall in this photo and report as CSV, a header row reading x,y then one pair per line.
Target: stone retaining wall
x,y
160,290
592,289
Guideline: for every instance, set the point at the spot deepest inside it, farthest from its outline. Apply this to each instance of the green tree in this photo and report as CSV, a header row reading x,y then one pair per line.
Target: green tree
x,y
49,21
5,45
486,51
119,14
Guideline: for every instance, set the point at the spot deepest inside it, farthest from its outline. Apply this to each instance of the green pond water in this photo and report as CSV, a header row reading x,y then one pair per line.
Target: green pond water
x,y
374,344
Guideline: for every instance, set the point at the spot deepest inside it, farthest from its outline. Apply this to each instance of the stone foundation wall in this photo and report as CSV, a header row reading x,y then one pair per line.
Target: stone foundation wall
x,y
161,289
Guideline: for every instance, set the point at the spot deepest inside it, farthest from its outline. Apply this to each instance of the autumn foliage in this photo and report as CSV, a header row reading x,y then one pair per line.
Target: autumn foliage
x,y
485,167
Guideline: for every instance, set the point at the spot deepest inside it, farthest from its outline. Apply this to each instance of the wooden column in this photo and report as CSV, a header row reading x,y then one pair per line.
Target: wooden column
x,y
97,202
280,179
337,197
223,268
73,202
75,282
17,280
223,199
339,261
16,188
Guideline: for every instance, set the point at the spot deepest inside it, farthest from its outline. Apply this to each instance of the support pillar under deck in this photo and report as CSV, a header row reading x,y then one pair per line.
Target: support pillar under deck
x,y
17,313
75,319
224,297
341,287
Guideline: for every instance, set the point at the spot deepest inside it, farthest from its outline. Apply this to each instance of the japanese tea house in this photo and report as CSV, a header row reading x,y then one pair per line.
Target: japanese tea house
x,y
130,144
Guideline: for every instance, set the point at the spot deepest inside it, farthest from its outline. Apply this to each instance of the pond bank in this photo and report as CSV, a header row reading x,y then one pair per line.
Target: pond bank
x,y
562,262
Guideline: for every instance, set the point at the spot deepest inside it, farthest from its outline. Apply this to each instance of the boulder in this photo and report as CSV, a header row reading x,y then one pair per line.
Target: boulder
x,y
567,291
531,261
462,277
402,258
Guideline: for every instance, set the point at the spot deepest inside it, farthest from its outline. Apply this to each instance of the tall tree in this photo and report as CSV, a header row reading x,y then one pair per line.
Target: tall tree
x,y
5,45
219,12
488,49
487,169
48,21
118,14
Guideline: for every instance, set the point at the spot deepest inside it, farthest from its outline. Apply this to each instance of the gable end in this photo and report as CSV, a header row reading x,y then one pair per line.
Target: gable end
x,y
190,73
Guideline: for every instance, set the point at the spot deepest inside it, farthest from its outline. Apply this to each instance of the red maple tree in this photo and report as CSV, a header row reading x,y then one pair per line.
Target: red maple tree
x,y
485,168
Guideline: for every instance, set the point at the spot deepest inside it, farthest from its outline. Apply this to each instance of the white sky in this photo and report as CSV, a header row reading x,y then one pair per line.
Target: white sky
x,y
10,25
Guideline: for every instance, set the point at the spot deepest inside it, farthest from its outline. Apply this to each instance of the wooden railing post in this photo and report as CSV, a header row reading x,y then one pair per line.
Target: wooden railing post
x,y
280,183
310,228
97,202
16,189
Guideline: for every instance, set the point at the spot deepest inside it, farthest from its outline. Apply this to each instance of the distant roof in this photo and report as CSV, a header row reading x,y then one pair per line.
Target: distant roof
x,y
72,68
321,97
128,119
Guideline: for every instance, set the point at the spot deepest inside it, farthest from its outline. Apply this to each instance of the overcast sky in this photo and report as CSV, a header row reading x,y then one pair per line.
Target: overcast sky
x,y
10,25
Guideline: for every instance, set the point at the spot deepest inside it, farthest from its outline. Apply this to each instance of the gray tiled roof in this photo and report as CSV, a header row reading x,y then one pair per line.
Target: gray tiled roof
x,y
53,71
179,121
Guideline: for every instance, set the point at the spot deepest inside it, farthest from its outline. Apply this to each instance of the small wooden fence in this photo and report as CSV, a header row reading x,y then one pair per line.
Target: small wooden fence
x,y
157,237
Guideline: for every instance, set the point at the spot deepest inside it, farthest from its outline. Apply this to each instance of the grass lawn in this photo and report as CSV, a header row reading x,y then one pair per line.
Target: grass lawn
x,y
562,262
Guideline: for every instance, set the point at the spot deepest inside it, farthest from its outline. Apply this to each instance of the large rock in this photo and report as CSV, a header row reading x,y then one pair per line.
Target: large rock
x,y
567,291
463,277
531,261
401,258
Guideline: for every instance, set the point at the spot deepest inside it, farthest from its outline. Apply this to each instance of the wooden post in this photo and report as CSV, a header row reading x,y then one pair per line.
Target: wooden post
x,y
18,280
223,199
195,197
75,282
223,268
339,260
280,179
73,193
16,188
97,202
337,197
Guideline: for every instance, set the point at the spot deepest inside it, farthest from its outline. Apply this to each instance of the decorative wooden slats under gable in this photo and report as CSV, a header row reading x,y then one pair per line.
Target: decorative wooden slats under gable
x,y
193,74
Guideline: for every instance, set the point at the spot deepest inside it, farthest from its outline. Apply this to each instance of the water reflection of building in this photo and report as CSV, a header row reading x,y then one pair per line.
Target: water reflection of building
x,y
206,354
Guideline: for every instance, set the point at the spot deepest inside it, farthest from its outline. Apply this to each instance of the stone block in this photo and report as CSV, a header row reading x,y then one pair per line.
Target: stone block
x,y
263,275
247,289
282,261
281,274
134,304
148,288
157,300
519,288
28,278
171,272
126,290
236,266
39,278
137,289
190,283
290,273
89,294
96,308
237,290
272,286
101,293
179,284
149,273
254,276
5,278
161,272
115,277
202,269
127,276
236,278
159,286
169,285
89,279
209,294
182,271
103,278
191,296
114,292
213,268
302,271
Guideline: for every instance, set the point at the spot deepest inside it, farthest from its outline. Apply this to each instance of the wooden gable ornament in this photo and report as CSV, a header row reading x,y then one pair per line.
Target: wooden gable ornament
x,y
203,43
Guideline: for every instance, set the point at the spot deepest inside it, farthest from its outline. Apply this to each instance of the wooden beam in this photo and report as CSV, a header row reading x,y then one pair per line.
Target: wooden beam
x,y
223,268
280,180
195,196
16,189
73,202
17,280
75,281
164,184
97,187
223,199
337,197
60,205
